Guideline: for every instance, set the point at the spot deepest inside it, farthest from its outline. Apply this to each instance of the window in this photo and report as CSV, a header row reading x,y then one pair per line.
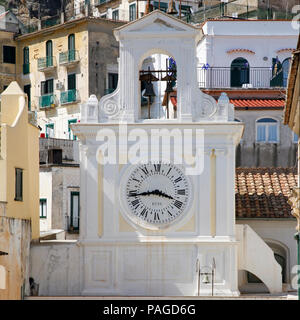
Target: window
x,y
239,73
266,130
71,47
163,6
27,91
43,208
112,81
71,135
286,69
70,95
50,130
115,15
74,216
47,87
18,184
132,12
49,54
26,60
72,81
295,137
9,54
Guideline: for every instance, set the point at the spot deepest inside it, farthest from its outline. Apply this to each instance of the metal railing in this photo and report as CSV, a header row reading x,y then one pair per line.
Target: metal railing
x,y
68,57
235,9
222,77
53,21
47,101
99,2
46,62
69,96
26,68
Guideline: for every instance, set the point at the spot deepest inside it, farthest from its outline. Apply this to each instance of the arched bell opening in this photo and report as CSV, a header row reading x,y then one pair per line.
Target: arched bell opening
x,y
158,80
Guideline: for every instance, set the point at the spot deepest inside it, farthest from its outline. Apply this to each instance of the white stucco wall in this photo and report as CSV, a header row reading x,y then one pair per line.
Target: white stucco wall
x,y
55,267
264,38
279,233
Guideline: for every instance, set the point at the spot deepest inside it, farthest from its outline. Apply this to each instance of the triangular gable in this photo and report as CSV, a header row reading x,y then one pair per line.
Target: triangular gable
x,y
156,22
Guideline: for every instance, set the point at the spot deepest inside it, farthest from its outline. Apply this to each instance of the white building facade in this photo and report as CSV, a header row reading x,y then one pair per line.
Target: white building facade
x,y
114,237
236,53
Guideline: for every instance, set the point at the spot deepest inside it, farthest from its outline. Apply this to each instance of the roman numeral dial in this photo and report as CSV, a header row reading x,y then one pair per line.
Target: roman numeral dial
x,y
156,195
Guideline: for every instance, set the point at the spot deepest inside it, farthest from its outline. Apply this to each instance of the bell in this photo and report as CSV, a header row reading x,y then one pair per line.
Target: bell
x,y
148,77
205,279
168,78
169,87
149,92
171,8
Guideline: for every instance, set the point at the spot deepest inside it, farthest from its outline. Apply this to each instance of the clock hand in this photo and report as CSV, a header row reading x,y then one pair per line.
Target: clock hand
x,y
160,193
154,192
140,194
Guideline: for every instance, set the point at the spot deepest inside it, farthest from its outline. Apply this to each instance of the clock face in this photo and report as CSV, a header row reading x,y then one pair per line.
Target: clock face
x,y
156,195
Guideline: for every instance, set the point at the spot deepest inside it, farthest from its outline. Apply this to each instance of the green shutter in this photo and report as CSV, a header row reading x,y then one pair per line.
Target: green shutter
x,y
71,47
72,81
49,54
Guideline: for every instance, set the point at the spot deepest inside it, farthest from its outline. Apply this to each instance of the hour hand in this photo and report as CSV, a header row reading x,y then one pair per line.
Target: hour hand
x,y
160,193
139,194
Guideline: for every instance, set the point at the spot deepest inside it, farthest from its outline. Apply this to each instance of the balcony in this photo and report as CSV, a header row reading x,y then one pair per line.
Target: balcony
x,y
69,96
46,64
68,58
100,2
47,101
219,77
26,68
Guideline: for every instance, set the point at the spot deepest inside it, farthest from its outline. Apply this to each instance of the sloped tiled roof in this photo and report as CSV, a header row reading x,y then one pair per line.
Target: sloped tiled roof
x,y
248,103
264,192
258,103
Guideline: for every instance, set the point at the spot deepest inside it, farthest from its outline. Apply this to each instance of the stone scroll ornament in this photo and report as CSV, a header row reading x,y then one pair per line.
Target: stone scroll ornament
x,y
205,107
109,106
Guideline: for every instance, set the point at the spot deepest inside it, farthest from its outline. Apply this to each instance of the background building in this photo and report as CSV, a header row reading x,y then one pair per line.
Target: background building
x,y
62,65
19,192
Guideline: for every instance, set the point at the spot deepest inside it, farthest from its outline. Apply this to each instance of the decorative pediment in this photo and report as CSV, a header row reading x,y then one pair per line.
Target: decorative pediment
x,y
154,23
158,25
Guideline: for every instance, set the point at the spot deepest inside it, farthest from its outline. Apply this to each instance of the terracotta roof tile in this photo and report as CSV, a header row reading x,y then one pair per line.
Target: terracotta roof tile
x,y
258,103
264,192
248,103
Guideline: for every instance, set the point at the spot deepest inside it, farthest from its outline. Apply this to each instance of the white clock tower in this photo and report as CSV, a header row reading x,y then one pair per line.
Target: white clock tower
x,y
157,195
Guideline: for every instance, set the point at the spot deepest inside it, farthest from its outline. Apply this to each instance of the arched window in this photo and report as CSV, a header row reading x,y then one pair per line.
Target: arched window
x,y
239,72
71,47
286,69
267,130
26,60
49,53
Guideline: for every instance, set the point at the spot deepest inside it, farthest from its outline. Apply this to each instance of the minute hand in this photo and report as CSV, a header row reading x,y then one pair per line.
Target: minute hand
x,y
154,192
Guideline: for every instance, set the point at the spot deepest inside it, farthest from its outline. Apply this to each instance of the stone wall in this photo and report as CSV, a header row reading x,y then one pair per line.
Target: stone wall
x,y
15,237
55,268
